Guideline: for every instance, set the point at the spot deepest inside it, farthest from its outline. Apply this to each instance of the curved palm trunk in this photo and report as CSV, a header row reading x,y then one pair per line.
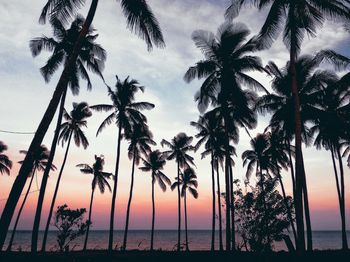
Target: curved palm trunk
x,y
153,211
186,233
45,178
40,133
53,202
291,167
342,207
114,196
299,210
20,212
219,207
178,209
232,209
90,213
213,205
129,204
287,206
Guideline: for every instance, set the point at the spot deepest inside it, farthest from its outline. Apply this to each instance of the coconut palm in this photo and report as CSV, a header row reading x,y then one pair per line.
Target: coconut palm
x,y
40,163
298,17
5,162
331,127
179,147
126,114
140,139
154,162
100,180
140,20
227,61
187,181
72,128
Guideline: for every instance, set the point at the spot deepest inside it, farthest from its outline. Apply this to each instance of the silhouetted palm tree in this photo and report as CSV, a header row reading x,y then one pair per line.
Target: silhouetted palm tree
x,y
187,181
299,17
126,113
140,20
227,61
179,147
331,125
140,139
5,162
154,163
100,180
40,162
72,128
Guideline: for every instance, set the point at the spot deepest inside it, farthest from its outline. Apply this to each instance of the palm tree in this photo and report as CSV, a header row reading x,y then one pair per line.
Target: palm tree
x,y
179,147
187,181
5,162
91,57
140,140
140,20
227,61
154,163
72,128
331,125
40,163
100,180
126,113
300,17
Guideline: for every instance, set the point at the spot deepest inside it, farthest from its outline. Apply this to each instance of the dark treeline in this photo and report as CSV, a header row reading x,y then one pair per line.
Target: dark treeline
x,y
308,104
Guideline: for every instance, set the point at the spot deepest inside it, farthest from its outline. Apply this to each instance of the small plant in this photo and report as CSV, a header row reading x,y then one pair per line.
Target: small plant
x,y
70,224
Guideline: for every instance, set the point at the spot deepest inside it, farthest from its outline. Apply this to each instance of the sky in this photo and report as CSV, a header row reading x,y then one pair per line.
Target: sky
x,y
25,96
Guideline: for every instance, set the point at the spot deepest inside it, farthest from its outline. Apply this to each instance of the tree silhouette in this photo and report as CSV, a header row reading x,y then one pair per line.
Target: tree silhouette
x,y
126,113
187,181
179,147
100,180
154,163
5,162
72,128
40,163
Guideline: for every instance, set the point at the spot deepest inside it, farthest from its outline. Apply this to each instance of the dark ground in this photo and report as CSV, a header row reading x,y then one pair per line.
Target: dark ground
x,y
194,256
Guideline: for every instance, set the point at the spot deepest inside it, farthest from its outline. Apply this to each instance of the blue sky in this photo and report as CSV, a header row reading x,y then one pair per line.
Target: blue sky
x,y
25,95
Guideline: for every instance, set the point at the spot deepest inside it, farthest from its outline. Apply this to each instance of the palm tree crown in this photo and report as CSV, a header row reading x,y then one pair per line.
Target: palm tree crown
x,y
5,162
187,181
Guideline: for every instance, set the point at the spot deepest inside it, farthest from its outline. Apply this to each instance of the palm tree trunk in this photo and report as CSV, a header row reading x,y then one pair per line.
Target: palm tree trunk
x,y
291,167
129,204
178,209
219,206
153,211
287,206
20,212
213,204
90,213
114,195
45,178
300,245
186,233
342,207
232,209
40,133
53,202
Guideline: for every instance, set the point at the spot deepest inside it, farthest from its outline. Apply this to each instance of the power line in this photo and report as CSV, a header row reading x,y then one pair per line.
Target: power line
x,y
17,133
4,199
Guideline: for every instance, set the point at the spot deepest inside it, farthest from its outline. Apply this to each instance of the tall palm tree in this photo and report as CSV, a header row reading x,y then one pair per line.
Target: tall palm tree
x,y
5,162
100,180
331,127
179,147
299,17
154,162
140,20
40,163
187,181
140,139
227,61
91,58
72,128
126,114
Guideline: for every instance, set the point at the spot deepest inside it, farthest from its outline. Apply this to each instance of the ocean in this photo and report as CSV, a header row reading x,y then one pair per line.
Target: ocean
x,y
164,240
